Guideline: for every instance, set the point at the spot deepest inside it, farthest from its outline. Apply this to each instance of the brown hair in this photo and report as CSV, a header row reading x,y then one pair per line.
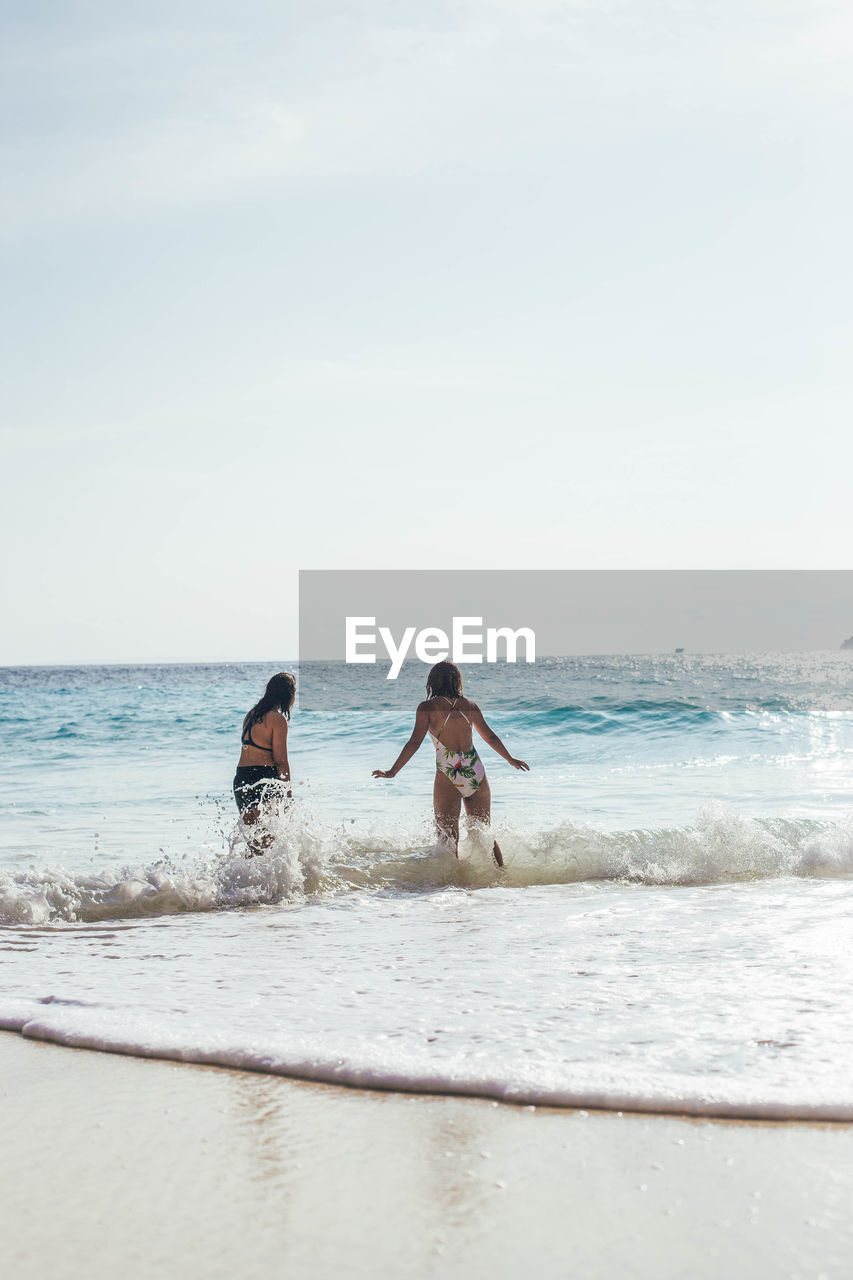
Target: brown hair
x,y
444,681
278,696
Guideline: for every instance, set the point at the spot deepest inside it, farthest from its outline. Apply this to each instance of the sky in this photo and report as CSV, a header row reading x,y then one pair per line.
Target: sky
x,y
490,284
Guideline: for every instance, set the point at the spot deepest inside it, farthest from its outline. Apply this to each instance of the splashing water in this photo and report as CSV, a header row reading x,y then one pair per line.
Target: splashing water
x,y
671,929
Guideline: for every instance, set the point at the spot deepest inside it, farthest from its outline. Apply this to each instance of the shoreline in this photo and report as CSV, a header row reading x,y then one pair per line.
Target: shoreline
x,y
112,1162
377,1081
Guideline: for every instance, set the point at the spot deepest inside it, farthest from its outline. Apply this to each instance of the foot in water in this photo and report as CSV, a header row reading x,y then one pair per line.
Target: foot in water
x,y
258,845
497,855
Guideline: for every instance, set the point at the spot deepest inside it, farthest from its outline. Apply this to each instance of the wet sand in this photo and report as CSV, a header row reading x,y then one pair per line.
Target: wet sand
x,y
116,1166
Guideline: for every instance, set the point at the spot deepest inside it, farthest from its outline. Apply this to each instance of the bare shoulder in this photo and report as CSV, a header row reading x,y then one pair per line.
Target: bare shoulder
x,y
426,706
468,706
275,720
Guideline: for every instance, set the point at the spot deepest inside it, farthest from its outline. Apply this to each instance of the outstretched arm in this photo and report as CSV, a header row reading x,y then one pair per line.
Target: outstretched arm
x,y
489,736
418,735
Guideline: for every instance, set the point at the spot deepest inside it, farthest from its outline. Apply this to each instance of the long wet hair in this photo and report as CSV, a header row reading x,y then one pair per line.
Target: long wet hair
x,y
444,681
279,695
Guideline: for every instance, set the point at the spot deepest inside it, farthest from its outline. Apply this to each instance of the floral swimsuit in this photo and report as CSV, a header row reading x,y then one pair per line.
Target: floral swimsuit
x,y
463,768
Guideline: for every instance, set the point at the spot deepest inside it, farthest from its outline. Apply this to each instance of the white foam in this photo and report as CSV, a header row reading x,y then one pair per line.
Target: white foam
x,y
292,863
308,856
49,1021
733,1000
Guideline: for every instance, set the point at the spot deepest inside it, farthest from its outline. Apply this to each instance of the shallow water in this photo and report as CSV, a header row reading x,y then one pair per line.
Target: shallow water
x,y
672,930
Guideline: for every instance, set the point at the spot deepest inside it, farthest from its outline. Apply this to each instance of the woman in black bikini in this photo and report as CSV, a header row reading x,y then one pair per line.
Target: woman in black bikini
x,y
263,759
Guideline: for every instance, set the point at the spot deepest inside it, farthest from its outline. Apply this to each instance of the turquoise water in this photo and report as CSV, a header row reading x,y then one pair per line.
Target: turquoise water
x,y
672,928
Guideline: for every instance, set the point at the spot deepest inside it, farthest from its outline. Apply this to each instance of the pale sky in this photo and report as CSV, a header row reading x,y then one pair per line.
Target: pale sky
x,y
484,284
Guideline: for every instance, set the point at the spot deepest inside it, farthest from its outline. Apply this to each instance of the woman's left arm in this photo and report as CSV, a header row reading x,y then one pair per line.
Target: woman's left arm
x,y
279,748
478,720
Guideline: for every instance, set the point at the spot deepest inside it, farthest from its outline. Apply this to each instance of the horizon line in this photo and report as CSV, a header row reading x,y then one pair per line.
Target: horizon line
x,y
245,662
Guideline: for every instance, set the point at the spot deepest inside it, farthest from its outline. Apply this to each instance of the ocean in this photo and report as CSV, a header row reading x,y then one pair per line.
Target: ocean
x,y
671,932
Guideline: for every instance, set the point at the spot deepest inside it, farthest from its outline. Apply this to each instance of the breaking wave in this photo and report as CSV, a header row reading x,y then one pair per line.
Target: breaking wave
x,y
306,857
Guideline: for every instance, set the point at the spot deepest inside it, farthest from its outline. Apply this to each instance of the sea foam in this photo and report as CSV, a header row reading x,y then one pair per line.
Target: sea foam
x,y
308,857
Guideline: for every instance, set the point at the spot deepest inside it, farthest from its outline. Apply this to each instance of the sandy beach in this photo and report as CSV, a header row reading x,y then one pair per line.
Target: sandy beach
x,y
114,1165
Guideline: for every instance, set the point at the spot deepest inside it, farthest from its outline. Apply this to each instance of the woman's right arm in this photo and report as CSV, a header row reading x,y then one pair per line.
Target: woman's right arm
x,y
418,735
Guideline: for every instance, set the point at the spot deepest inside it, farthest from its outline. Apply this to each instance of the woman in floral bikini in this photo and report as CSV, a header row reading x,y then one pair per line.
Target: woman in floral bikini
x,y
459,774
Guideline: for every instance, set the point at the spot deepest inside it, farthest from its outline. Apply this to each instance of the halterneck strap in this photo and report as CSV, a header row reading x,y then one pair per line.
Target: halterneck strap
x,y
449,714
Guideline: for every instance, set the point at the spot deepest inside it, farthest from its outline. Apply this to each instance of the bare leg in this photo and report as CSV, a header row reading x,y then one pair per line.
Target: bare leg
x,y
257,844
447,802
479,809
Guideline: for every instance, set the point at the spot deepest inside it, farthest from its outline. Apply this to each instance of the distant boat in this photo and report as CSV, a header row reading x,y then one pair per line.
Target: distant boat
x,y
844,646
848,644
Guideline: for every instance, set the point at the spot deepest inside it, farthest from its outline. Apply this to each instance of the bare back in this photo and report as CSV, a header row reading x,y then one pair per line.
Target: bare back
x,y
450,721
257,743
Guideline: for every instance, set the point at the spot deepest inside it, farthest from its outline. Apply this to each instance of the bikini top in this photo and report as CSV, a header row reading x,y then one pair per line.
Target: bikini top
x,y
453,707
248,741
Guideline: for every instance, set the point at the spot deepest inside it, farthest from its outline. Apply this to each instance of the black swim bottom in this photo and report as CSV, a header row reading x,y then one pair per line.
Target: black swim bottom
x,y
252,785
